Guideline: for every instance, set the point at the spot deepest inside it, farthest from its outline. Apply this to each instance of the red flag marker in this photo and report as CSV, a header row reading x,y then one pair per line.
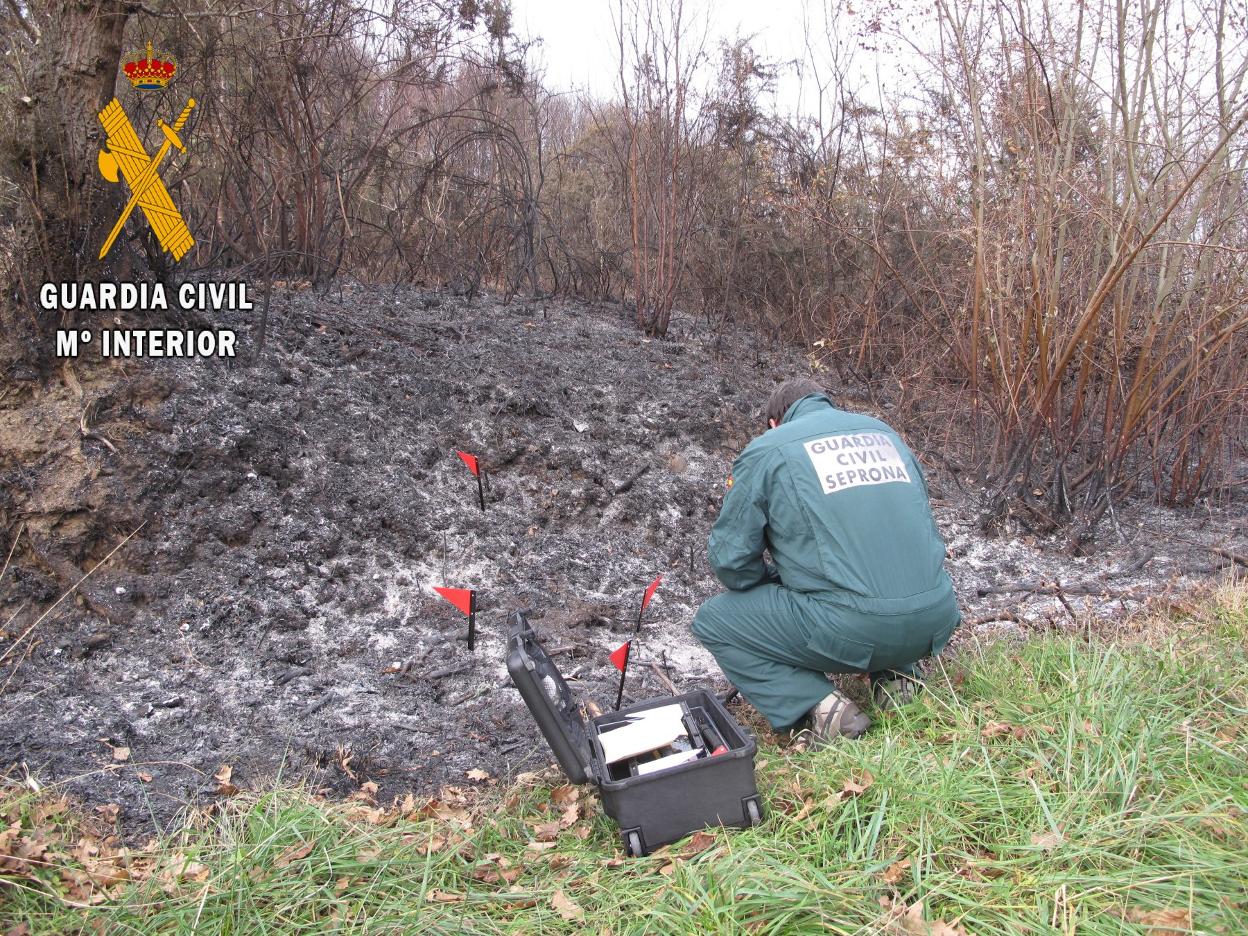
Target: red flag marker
x,y
475,467
459,597
619,657
465,599
653,587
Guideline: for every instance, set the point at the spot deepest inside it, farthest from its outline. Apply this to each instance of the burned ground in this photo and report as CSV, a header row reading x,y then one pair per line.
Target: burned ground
x,y
275,610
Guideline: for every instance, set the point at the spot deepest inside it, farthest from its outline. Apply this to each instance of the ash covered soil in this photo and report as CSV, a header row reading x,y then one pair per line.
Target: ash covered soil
x,y
276,612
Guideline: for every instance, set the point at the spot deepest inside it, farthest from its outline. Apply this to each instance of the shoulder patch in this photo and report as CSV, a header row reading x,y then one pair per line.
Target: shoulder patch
x,y
854,459
728,483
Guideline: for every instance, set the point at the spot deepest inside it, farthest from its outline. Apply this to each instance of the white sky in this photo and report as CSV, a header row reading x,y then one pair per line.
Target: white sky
x,y
578,44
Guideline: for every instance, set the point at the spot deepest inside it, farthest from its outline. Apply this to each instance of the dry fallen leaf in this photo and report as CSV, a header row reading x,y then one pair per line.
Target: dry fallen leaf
x,y
444,812
853,787
894,873
698,842
121,754
477,774
1216,828
1174,922
106,873
437,896
547,831
1224,736
294,853
912,919
1047,840
223,776
501,871
436,844
1035,769
86,849
912,922
562,795
195,872
50,808
565,907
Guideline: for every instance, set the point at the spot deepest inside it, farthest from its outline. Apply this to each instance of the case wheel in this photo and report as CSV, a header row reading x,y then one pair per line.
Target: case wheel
x,y
632,844
753,812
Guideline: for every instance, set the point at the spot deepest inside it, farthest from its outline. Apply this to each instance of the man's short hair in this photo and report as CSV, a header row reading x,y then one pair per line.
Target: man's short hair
x,y
789,393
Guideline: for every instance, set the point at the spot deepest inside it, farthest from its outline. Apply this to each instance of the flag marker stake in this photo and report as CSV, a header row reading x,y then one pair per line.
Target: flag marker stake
x,y
645,601
619,696
474,465
650,590
465,599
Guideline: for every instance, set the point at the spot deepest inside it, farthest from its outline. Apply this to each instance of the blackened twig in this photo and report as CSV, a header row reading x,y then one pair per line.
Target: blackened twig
x,y
654,668
631,480
1237,558
1045,588
1003,615
450,671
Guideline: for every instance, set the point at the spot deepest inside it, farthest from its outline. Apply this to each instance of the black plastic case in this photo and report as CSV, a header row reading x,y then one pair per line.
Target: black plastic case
x,y
657,808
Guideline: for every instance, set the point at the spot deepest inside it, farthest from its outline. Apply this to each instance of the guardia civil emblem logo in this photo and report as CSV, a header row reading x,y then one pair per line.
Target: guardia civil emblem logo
x,y
125,157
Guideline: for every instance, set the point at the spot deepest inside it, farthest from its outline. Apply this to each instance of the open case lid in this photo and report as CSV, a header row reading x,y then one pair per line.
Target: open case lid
x,y
550,700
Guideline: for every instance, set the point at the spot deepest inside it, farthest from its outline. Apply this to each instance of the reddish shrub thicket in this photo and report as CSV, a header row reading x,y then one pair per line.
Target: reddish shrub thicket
x,y
1039,247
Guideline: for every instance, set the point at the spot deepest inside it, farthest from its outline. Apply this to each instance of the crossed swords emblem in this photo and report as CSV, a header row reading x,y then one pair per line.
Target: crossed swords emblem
x,y
126,154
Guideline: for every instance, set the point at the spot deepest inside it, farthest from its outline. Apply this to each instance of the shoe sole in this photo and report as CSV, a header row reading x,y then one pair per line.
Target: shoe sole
x,y
850,733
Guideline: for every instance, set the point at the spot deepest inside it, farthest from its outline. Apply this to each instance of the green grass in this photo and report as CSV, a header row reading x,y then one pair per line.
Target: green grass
x,y
1057,787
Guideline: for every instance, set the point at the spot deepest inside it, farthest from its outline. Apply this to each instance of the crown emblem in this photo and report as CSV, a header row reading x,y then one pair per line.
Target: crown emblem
x,y
148,71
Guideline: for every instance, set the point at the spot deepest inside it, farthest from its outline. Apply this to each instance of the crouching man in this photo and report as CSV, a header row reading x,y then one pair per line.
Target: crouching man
x,y
858,584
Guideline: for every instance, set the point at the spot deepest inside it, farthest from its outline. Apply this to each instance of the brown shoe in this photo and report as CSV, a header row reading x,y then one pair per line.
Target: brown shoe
x,y
892,690
837,716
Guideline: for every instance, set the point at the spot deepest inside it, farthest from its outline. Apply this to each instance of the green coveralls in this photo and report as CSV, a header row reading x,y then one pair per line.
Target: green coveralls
x,y
858,583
